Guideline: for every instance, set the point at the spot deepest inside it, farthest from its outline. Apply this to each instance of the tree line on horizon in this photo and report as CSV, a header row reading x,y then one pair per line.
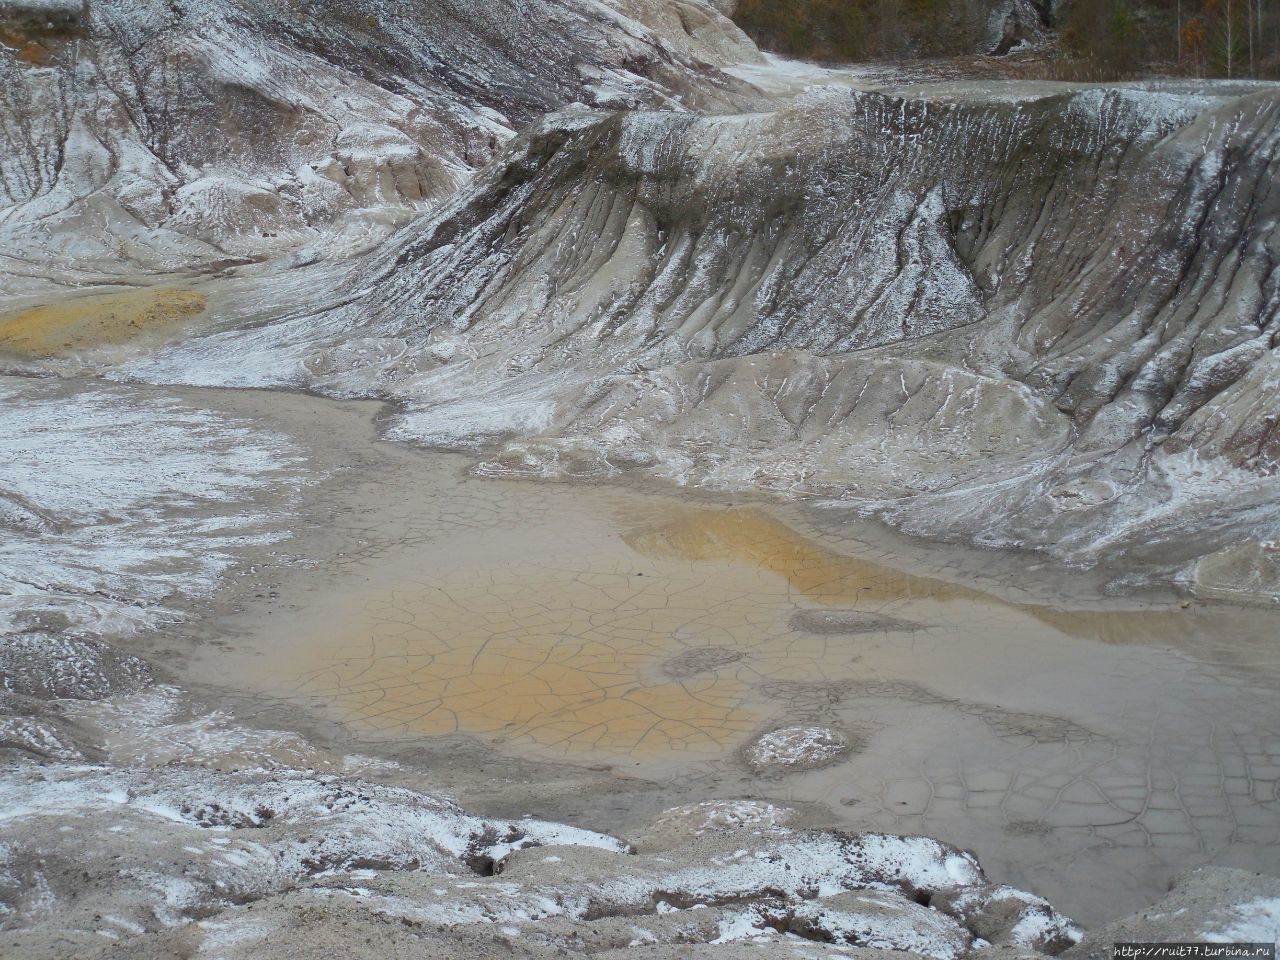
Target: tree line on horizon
x,y
1100,39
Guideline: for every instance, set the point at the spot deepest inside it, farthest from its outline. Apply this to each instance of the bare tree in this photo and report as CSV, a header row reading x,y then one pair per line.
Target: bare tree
x,y
1248,19
1230,40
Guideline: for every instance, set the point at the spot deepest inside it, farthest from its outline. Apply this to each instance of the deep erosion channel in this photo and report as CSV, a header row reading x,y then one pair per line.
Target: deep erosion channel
x,y
1085,746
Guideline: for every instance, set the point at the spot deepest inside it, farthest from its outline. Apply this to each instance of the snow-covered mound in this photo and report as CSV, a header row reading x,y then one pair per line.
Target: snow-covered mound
x,y
1210,905
797,748
147,856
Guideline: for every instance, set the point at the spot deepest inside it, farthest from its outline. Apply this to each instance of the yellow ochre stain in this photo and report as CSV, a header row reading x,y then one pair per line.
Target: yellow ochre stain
x,y
101,320
750,536
28,50
656,649
569,664
660,647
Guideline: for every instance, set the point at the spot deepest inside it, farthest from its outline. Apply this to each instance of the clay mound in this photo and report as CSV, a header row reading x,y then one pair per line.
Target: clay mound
x,y
157,136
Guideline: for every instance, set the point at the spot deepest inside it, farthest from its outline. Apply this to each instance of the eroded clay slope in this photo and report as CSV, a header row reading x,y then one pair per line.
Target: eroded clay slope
x,y
161,136
1042,321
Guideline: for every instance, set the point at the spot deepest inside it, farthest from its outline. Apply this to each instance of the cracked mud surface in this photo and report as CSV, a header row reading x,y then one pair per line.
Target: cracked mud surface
x,y
1085,747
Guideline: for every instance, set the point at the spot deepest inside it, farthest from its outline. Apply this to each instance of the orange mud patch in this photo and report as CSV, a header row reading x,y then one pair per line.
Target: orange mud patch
x,y
639,640
103,320
27,50
817,572
565,663
830,578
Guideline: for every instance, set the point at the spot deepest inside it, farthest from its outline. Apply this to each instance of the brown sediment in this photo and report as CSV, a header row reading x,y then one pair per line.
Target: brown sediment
x,y
27,50
101,320
637,638
573,664
819,573
629,650
834,579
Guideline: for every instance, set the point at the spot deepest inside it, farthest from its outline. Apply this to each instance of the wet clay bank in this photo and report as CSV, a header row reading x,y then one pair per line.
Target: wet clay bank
x,y
1087,747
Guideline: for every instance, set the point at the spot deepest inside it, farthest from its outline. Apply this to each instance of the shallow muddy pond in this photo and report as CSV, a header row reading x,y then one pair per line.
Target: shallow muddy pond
x,y
1088,748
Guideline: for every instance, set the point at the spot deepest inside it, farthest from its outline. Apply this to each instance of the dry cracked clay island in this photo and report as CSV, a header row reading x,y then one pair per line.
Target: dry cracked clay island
x,y
555,479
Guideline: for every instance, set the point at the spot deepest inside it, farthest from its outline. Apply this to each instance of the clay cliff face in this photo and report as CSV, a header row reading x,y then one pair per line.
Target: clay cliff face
x,y
1073,296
